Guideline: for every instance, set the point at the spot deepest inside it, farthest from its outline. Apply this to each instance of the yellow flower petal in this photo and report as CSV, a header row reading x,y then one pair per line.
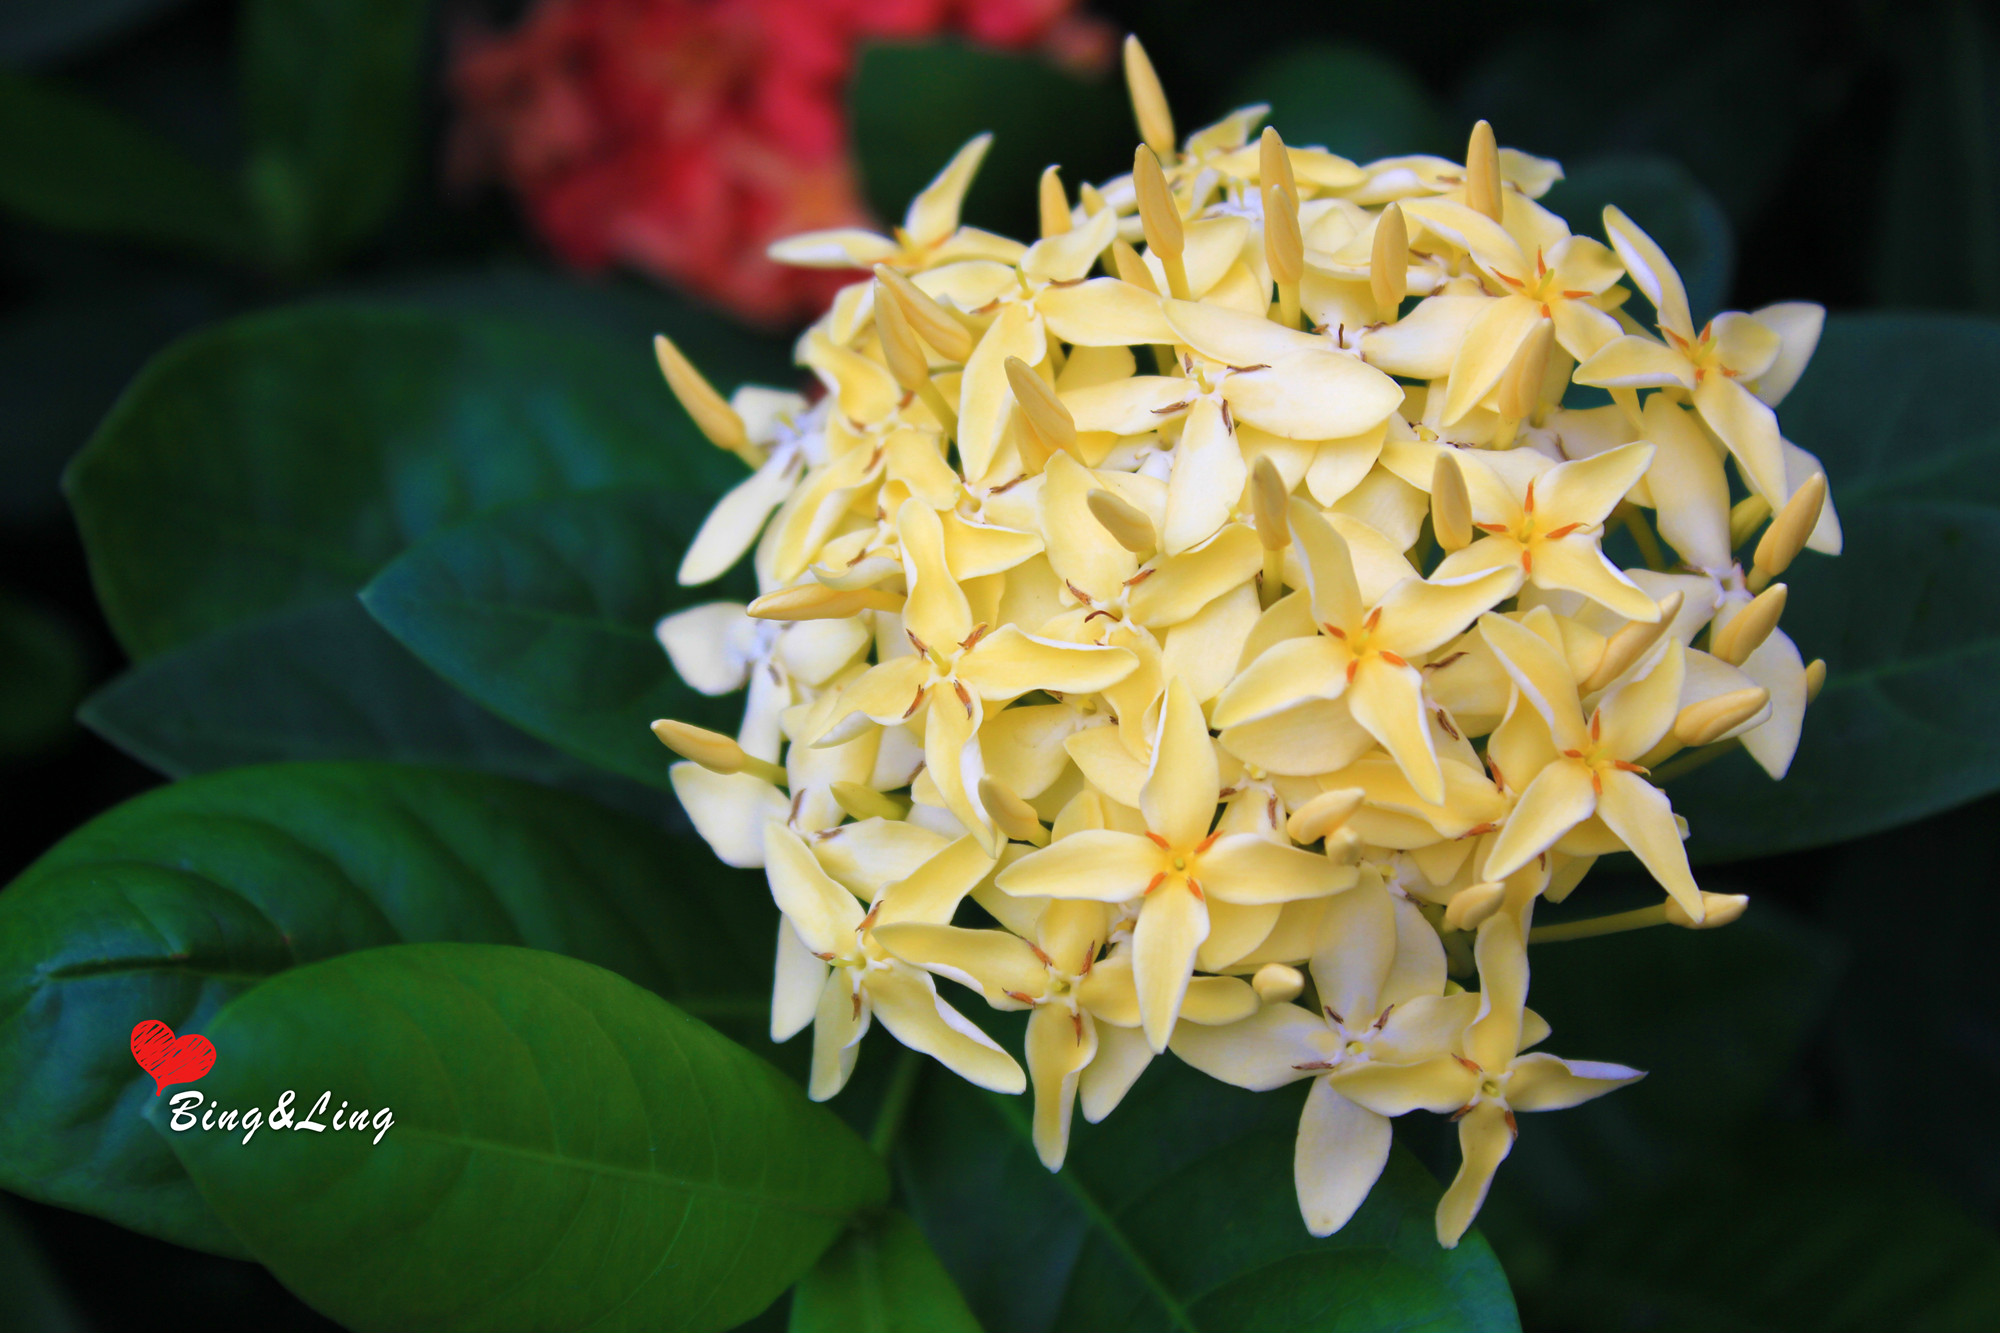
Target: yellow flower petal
x,y
1341,1151
1172,925
1103,312
984,396
1102,865
1248,868
1058,1049
1484,1140
1546,1083
1642,817
1388,702
1287,674
907,1002
994,963
933,214
1179,797
1633,362
1313,395
1558,799
823,913
1652,272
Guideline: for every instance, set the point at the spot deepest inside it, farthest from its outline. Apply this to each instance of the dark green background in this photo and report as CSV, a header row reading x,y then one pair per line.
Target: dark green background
x,y
1815,1147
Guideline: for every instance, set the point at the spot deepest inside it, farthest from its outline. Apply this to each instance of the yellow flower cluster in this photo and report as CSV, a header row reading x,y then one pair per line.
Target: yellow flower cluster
x,y
1213,592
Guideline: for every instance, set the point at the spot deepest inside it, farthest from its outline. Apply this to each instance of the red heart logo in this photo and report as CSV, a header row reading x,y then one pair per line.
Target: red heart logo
x,y
170,1059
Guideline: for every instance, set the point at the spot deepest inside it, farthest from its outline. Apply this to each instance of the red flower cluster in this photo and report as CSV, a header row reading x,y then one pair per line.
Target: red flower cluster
x,y
683,136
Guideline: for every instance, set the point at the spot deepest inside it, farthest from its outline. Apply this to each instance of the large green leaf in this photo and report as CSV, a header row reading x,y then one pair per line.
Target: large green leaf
x,y
1894,406
283,458
323,682
173,903
331,90
31,1296
1354,101
1661,196
1908,620
1177,1213
880,1277
913,106
567,1150
544,612
75,165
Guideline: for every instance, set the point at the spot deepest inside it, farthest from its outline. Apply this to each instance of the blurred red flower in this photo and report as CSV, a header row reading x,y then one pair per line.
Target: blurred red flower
x,y
681,137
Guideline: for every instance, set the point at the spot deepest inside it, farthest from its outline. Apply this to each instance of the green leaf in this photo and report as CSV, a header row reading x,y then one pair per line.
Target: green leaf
x,y
880,1277
77,166
1790,1231
1894,407
177,901
912,106
1908,621
568,1150
63,362
1351,100
316,683
331,92
43,667
1178,1213
1661,196
281,459
544,613
34,32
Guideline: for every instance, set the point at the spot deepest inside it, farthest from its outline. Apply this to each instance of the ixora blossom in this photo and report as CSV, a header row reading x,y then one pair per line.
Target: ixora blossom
x,y
1216,593
682,137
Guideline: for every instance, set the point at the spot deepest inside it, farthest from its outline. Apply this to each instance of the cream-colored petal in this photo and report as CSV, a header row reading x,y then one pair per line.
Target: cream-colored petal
x,y
1009,663
1099,864
1586,490
1635,362
1541,674
1744,344
1502,956
869,855
1207,478
936,611
798,981
1355,950
1439,1085
1129,406
1798,325
1652,272
973,550
1750,430
1418,616
1059,1046
1576,563
1329,568
933,214
1490,345
933,891
1068,256
1122,1055
1688,486
1778,667
729,811
700,642
1642,817
838,1026
1484,1140
842,247
823,913
1558,799
1313,395
1547,1083
984,396
1179,796
1635,716
1262,1052
994,963
731,527
1103,312
907,1002
1172,925
1233,338
1317,736
1082,553
1388,702
1423,344
1419,967
1203,649
1424,1027
1287,674
1582,329
1218,1001
1341,1151
1248,868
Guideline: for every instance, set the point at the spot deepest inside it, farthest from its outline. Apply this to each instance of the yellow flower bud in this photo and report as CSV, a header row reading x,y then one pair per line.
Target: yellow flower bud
x,y
1040,408
1324,815
816,601
710,411
1126,522
933,323
1708,721
1628,645
1482,172
1719,909
1053,203
1277,983
1010,814
1786,537
1451,507
1389,263
1149,100
1747,630
714,751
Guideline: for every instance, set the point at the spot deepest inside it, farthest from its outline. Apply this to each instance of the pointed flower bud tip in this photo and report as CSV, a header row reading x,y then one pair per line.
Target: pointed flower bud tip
x,y
1451,506
1718,909
1794,524
1748,629
1482,172
711,412
1149,100
1389,262
1710,720
1054,204
1125,521
1044,412
1324,815
1277,983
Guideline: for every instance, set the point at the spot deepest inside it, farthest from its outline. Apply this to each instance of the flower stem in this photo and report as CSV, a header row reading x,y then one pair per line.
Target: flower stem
x,y
896,1102
1616,923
